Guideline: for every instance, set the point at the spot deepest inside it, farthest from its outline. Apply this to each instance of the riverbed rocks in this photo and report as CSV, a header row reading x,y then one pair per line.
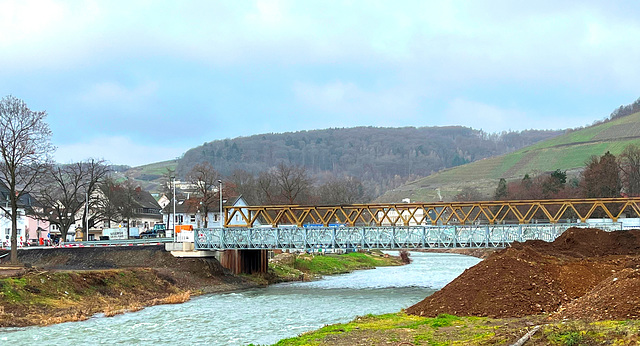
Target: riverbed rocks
x,y
585,273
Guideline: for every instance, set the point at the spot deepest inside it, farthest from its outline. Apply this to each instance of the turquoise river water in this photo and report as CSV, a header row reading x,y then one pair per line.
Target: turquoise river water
x,y
259,316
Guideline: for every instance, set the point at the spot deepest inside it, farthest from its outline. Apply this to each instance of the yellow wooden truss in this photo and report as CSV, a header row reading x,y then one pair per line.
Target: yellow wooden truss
x,y
440,213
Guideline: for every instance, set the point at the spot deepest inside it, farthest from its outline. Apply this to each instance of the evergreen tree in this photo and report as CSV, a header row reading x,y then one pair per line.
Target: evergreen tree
x,y
501,190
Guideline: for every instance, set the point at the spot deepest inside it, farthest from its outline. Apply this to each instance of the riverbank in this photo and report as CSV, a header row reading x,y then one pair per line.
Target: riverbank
x,y
400,328
44,297
583,288
287,267
61,285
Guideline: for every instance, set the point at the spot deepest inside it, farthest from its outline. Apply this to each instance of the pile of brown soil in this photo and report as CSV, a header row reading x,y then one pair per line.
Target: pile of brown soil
x,y
572,275
615,298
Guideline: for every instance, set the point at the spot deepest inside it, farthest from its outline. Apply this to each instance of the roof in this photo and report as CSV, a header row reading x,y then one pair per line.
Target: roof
x,y
146,200
190,206
26,200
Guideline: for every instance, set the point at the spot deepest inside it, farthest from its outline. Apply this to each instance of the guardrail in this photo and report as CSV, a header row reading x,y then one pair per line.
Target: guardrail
x,y
100,243
402,237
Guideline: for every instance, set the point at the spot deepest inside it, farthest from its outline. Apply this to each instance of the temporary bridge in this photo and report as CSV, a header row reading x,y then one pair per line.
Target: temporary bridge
x,y
251,230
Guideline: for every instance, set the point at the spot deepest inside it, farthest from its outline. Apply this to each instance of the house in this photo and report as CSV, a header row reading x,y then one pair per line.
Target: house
x,y
29,227
148,212
188,212
163,201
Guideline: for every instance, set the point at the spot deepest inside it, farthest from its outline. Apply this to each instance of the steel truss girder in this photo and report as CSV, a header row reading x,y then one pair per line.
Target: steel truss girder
x,y
439,213
403,237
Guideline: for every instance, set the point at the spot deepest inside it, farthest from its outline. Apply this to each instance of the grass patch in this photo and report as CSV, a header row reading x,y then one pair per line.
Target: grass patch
x,y
305,266
454,330
336,264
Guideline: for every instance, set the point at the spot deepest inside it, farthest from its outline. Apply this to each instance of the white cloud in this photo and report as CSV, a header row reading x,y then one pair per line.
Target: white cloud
x,y
117,150
492,118
113,93
448,41
347,99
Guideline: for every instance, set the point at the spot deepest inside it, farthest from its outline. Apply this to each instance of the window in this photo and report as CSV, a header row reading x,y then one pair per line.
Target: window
x,y
192,218
215,217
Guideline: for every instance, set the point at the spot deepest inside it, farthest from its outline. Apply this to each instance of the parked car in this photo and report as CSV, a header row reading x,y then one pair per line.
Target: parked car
x,y
159,230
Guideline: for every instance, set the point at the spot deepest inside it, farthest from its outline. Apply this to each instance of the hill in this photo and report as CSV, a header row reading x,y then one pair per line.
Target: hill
x,y
380,157
566,152
150,176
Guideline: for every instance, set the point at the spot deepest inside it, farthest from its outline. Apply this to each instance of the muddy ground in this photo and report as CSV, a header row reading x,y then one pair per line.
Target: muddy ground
x,y
584,274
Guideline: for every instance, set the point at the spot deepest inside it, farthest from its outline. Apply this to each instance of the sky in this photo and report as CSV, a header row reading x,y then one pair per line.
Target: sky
x,y
139,81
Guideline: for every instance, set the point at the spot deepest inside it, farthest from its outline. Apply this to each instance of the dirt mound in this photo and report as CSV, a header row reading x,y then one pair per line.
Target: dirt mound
x,y
588,242
616,298
536,277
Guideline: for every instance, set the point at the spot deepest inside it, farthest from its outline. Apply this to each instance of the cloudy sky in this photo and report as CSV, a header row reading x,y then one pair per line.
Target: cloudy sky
x,y
136,82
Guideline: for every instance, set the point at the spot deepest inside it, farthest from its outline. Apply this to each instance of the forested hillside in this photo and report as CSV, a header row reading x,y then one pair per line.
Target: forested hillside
x,y
380,157
570,153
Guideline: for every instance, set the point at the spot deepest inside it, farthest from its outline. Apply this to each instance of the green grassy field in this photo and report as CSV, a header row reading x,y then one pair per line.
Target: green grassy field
x,y
157,168
568,152
402,329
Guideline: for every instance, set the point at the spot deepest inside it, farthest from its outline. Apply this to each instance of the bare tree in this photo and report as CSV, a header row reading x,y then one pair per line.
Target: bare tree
x,y
246,185
205,178
468,194
348,190
25,145
126,202
629,161
293,182
95,171
108,203
266,187
167,187
601,179
65,190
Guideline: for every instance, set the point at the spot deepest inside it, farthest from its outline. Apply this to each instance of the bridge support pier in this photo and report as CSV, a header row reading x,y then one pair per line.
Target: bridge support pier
x,y
244,261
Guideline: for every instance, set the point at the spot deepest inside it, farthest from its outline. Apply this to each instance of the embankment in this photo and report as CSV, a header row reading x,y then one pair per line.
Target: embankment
x,y
44,297
59,285
66,284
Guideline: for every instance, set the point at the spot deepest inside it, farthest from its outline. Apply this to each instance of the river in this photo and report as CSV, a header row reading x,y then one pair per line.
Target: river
x,y
259,316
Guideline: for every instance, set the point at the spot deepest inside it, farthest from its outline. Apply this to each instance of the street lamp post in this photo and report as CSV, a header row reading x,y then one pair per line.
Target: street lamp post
x,y
221,213
173,222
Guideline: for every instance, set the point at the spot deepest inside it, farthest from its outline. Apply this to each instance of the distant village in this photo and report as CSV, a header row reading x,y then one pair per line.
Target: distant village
x,y
150,211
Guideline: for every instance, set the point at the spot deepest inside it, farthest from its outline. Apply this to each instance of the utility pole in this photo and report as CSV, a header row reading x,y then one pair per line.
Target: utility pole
x,y
221,213
173,229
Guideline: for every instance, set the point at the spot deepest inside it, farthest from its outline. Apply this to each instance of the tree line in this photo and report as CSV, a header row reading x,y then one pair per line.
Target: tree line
x,y
284,184
382,158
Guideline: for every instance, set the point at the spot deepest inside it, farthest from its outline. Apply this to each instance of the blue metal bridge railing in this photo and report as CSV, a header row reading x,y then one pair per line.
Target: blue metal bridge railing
x,y
390,237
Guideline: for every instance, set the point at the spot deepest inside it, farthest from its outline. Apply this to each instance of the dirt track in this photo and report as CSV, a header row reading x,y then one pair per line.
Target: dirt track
x,y
585,273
